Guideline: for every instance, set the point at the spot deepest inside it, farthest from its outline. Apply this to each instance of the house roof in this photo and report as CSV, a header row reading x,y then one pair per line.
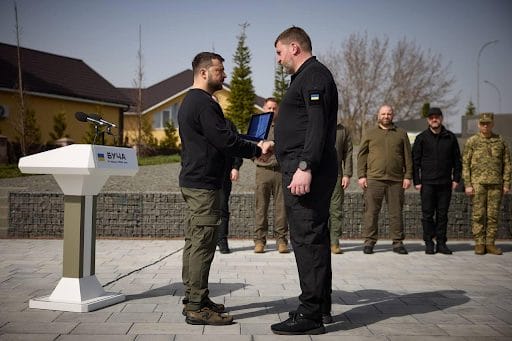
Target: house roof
x,y
169,88
50,74
161,91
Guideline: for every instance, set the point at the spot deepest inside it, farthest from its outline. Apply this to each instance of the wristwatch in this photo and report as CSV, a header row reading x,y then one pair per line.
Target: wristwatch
x,y
304,165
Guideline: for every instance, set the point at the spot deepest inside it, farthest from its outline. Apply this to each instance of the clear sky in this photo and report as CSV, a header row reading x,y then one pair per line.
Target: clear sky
x,y
104,34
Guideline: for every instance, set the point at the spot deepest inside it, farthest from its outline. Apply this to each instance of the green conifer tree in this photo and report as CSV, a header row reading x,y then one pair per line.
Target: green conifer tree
x,y
171,136
425,109
59,126
470,109
241,99
280,83
32,131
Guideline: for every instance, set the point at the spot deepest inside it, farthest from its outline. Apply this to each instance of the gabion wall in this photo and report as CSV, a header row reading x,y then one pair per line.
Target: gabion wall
x,y
161,215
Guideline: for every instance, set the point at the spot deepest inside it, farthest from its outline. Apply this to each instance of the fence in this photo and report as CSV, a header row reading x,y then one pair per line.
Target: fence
x,y
161,215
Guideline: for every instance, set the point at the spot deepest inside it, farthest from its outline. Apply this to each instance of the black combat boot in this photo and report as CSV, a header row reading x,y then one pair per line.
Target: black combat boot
x,y
223,246
429,247
442,248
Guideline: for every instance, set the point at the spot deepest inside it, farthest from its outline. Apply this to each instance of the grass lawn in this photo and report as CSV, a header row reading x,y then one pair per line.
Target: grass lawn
x,y
12,171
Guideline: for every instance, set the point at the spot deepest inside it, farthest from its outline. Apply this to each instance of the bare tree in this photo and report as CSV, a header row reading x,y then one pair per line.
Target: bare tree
x,y
369,73
138,87
21,96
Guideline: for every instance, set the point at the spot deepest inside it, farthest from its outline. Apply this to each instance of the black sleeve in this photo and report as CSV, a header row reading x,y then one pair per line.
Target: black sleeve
x,y
417,153
222,137
315,94
457,161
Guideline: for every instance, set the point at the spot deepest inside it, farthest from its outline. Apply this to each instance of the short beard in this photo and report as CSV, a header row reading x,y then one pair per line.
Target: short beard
x,y
381,122
287,69
214,86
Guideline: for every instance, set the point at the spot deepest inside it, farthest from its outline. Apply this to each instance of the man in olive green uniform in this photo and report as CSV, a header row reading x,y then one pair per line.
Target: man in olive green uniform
x,y
487,172
384,168
344,151
269,182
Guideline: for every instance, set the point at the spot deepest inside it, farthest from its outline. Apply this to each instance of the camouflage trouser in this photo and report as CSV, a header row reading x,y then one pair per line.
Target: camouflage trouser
x,y
336,213
486,208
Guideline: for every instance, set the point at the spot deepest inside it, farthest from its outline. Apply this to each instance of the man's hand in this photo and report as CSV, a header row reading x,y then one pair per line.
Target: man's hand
x,y
454,185
505,190
234,174
418,187
363,183
470,191
406,183
266,146
301,182
267,149
345,182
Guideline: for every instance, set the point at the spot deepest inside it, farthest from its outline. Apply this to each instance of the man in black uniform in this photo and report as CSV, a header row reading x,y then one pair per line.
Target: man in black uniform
x,y
233,164
305,135
437,168
206,141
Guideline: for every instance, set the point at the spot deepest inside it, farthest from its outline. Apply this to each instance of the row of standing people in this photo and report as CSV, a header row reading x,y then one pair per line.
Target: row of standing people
x,y
386,167
304,146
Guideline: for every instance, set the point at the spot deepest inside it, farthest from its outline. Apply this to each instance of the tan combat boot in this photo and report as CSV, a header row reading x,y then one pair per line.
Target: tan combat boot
x,y
283,248
206,315
259,248
335,249
493,250
480,249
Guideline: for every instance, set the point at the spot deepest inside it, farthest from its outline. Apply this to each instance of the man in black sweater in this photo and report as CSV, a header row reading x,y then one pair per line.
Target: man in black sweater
x,y
206,141
437,168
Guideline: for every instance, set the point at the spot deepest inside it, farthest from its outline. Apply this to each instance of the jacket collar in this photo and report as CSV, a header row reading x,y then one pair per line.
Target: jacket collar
x,y
310,60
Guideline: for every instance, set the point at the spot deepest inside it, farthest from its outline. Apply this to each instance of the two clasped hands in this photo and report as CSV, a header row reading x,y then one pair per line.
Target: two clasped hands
x,y
301,180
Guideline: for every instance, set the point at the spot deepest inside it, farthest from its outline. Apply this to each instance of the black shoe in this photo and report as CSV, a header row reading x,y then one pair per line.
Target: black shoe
x,y
442,248
326,318
429,248
298,325
368,249
400,249
223,246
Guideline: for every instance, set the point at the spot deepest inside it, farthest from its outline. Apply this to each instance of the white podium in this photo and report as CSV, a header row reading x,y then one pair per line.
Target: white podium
x,y
81,170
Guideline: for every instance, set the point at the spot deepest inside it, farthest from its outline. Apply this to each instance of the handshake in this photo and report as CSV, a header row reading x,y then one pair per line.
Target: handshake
x,y
267,150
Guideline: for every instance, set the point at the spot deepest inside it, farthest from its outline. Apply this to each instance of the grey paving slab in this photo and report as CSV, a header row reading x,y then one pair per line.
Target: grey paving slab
x,y
28,337
154,338
106,337
470,330
134,317
38,327
378,297
107,328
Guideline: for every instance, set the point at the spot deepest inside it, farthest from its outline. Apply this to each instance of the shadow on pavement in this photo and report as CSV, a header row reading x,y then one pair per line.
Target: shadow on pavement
x,y
371,306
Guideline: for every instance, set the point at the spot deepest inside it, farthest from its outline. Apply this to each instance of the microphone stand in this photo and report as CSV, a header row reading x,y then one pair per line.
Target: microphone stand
x,y
109,132
99,133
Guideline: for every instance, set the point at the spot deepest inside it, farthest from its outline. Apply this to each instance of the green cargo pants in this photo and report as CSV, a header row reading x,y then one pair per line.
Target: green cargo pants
x,y
336,213
202,221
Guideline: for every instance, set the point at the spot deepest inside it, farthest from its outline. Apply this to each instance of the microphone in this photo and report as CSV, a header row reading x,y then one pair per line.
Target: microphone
x,y
105,122
93,118
83,117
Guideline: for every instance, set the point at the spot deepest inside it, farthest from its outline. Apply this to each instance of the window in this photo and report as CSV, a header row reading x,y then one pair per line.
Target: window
x,y
166,115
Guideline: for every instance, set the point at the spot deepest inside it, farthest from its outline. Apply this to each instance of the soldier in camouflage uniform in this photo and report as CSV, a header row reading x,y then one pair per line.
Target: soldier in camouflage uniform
x,y
487,174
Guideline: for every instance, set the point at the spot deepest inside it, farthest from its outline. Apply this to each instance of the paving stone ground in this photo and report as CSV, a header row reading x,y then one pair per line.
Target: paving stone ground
x,y
384,296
